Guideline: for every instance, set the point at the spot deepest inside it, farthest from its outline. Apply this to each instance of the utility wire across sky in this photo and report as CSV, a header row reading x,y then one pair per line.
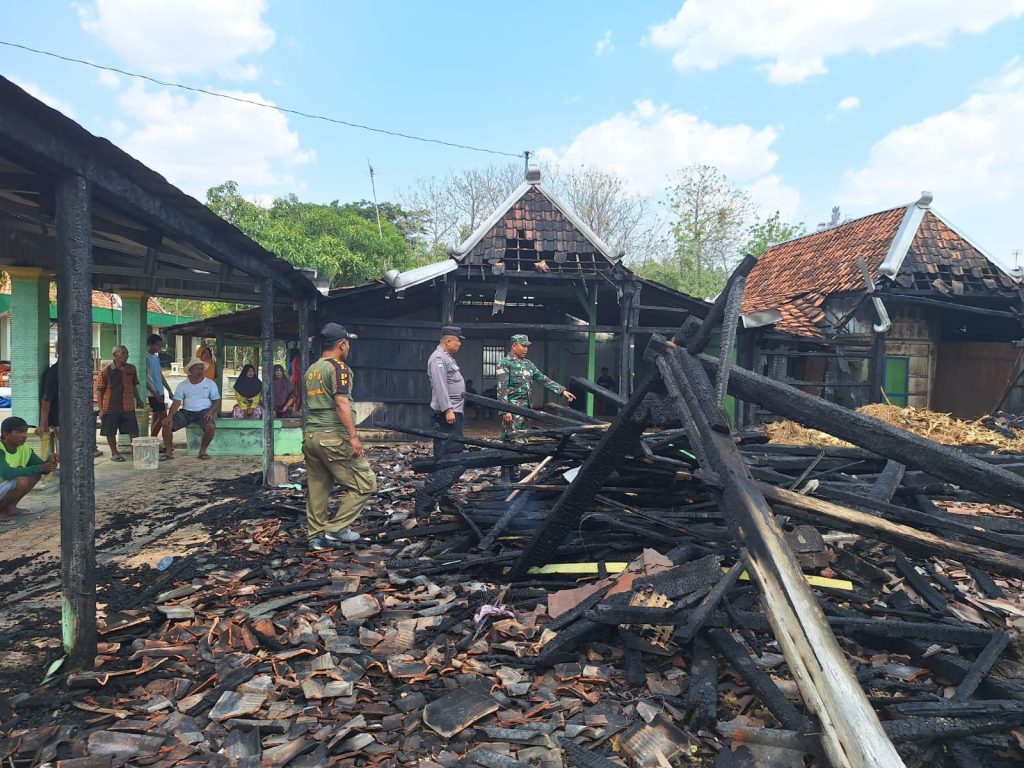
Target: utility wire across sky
x,y
254,103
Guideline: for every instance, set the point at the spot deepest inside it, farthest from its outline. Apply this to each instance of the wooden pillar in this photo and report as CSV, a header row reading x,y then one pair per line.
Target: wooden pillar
x,y
218,357
450,294
267,358
303,310
629,300
78,431
592,346
876,368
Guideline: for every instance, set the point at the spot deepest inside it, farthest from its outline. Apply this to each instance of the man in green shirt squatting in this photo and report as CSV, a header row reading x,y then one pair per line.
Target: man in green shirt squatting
x,y
331,446
20,467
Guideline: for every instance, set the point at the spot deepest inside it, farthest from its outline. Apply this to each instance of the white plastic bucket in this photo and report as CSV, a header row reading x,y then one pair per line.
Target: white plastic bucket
x,y
146,452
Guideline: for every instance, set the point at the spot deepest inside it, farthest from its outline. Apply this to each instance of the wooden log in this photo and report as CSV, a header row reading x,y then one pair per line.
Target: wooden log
x,y
887,483
942,461
895,533
981,666
851,732
919,583
759,681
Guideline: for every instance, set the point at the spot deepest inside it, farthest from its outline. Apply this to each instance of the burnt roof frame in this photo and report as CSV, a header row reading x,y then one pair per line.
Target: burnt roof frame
x,y
48,145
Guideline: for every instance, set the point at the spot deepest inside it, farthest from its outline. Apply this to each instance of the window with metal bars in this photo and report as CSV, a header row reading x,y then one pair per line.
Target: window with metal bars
x,y
491,357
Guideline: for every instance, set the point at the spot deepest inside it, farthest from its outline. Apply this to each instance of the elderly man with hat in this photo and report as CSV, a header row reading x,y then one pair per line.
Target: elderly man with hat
x,y
331,445
515,373
196,401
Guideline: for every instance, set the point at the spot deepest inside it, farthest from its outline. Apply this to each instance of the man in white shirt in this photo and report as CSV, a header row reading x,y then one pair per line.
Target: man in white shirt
x,y
196,401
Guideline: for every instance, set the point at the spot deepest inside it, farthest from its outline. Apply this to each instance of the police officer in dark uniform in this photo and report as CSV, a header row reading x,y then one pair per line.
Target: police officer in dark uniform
x,y
447,391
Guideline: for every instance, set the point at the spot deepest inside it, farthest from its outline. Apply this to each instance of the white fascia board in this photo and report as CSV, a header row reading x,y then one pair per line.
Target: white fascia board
x,y
901,243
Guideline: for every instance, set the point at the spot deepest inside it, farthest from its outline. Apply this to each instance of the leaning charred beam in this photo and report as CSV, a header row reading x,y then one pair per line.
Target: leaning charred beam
x,y
851,732
621,437
529,413
950,464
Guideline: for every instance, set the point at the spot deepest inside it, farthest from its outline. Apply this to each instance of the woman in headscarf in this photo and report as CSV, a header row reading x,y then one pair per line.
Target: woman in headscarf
x,y
284,399
248,391
205,354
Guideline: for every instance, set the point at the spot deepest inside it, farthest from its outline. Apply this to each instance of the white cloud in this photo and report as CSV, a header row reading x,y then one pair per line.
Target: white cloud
x,y
793,39
182,36
850,102
198,142
770,194
48,99
109,80
969,156
604,45
651,142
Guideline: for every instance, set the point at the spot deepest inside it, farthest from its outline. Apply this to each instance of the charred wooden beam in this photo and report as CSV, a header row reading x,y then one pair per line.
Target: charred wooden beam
x,y
919,583
702,692
519,410
981,666
851,732
895,533
948,463
887,483
619,439
760,682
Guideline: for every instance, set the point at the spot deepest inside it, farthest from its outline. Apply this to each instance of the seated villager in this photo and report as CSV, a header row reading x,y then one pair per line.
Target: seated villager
x,y
196,401
284,394
248,393
20,467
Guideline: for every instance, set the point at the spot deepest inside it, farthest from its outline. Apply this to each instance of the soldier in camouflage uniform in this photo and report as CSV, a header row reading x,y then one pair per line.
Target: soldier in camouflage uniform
x,y
514,375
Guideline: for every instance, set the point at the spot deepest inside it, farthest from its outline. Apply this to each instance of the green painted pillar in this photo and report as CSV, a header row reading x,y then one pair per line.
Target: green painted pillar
x,y
30,338
134,332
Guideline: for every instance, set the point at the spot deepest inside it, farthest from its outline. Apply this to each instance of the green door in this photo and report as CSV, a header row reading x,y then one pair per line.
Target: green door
x,y
897,380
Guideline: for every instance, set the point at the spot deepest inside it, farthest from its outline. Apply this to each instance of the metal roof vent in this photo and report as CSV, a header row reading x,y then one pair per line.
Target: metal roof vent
x,y
533,174
925,199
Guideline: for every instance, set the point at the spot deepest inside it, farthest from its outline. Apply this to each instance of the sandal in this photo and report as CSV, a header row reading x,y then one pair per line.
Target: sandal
x,y
166,457
204,456
118,457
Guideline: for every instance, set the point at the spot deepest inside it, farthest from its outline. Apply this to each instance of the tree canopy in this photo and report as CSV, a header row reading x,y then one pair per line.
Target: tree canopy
x,y
341,241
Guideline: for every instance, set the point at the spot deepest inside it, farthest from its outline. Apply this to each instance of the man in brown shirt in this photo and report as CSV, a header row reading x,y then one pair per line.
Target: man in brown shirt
x,y
118,393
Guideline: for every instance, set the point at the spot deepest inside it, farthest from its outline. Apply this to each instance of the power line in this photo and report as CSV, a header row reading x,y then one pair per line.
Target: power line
x,y
242,100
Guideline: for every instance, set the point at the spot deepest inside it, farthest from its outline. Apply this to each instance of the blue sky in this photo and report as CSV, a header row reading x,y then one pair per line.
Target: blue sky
x,y
805,104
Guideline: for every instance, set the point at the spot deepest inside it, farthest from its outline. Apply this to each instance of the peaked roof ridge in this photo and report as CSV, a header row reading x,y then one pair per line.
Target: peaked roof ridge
x,y
517,194
834,228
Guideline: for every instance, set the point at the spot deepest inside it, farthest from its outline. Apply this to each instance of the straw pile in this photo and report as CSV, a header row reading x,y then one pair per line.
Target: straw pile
x,y
939,427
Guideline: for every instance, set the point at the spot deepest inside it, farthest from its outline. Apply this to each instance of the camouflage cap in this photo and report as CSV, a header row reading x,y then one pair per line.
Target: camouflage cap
x,y
521,338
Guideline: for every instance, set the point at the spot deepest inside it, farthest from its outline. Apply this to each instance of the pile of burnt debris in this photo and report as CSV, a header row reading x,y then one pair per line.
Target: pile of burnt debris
x,y
655,591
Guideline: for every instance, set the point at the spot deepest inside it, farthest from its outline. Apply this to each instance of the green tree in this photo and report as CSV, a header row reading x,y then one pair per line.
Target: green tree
x,y
765,233
341,241
708,221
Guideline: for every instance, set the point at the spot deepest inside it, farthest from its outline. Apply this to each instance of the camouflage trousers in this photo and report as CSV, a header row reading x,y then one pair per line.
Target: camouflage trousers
x,y
513,433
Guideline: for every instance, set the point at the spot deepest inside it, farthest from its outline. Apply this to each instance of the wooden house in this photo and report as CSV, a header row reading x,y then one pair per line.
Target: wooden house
x,y
897,305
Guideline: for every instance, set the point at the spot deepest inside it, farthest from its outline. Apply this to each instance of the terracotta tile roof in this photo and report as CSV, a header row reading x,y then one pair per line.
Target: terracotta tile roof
x,y
796,277
532,230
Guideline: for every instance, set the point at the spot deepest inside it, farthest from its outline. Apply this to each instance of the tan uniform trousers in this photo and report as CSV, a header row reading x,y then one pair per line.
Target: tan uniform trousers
x,y
329,461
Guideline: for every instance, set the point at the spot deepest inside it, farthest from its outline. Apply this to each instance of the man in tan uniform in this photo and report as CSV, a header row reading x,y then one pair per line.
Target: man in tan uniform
x,y
331,446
